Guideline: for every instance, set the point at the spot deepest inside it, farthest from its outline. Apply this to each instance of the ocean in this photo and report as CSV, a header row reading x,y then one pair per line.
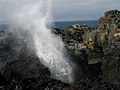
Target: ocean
x,y
3,27
63,24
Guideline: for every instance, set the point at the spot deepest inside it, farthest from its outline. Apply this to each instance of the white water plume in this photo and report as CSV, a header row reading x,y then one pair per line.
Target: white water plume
x,y
33,16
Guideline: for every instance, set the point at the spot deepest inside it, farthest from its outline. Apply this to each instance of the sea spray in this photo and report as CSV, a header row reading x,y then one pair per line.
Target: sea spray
x,y
32,16
50,49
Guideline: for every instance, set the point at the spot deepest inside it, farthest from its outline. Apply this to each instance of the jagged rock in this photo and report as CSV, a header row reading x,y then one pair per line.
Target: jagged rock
x,y
102,45
107,34
96,52
17,61
109,39
111,69
73,37
23,69
20,68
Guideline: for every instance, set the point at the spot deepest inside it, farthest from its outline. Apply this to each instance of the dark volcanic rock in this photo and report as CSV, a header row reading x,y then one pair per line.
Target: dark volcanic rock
x,y
74,33
95,52
47,84
20,68
109,25
111,69
3,80
73,36
17,61
23,69
102,46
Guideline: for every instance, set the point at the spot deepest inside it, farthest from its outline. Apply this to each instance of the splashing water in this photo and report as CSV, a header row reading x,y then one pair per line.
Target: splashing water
x,y
33,16
50,49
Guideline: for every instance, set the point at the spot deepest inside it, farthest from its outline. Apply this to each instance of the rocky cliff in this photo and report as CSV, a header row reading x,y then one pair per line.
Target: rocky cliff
x,y
107,36
110,25
102,45
94,50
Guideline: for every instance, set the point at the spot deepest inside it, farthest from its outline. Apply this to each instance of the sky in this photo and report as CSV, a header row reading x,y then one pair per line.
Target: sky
x,y
69,10
62,10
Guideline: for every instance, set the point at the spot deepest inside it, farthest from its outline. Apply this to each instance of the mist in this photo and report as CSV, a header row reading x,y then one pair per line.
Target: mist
x,y
32,17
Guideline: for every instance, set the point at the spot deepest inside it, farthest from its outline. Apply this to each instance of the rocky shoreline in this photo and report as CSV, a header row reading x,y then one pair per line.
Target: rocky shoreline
x,y
95,50
102,45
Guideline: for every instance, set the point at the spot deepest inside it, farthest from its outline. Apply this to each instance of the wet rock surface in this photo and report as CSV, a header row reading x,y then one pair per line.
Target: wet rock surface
x,y
20,69
102,45
73,36
94,50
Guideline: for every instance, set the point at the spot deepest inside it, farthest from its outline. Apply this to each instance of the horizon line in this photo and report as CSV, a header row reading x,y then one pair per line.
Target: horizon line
x,y
74,20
